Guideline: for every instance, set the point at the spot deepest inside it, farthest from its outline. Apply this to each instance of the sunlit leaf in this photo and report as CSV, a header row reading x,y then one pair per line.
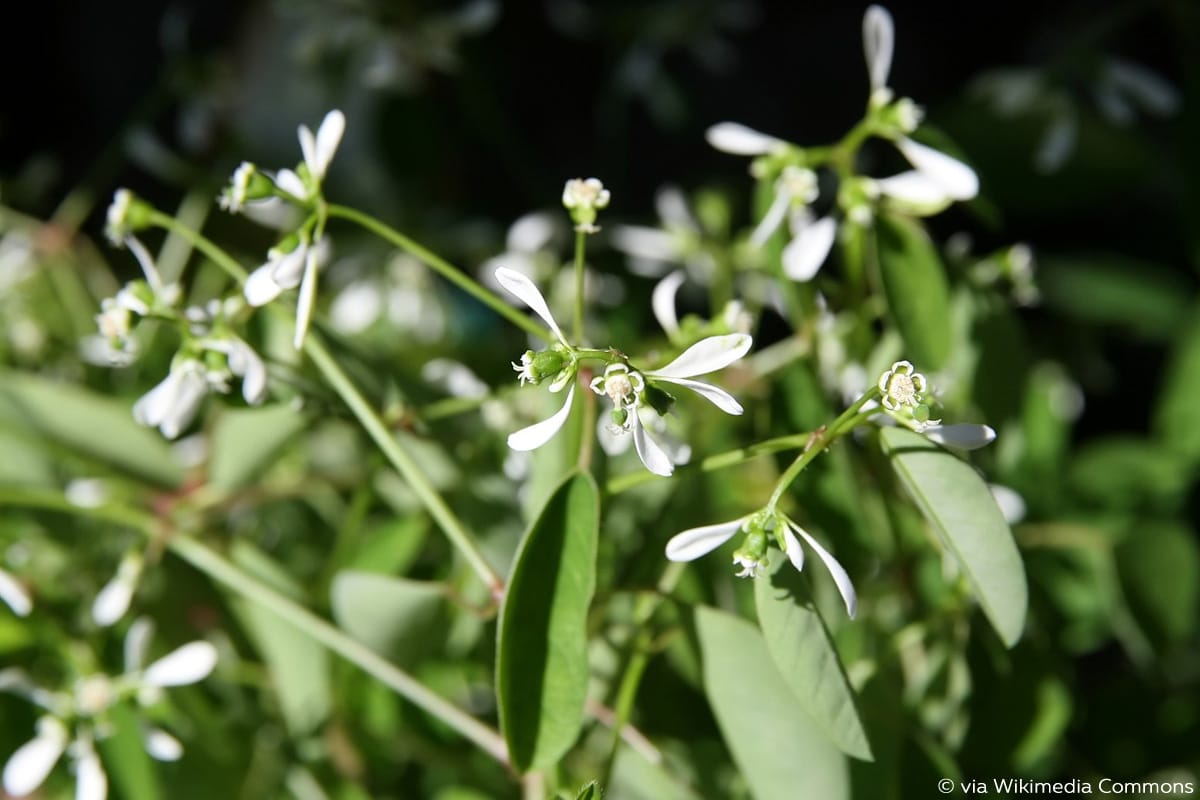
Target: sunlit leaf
x,y
915,284
956,502
781,752
804,653
541,662
246,440
393,616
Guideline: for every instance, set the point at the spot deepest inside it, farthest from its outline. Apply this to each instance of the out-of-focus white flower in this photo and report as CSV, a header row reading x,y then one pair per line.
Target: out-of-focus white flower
x,y
962,436
583,198
172,404
113,600
1011,504
455,378
14,595
740,140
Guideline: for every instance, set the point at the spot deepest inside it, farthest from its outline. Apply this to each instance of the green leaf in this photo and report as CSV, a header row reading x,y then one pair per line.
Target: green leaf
x,y
541,661
589,792
1159,565
798,641
1146,299
125,758
299,667
915,284
956,501
99,427
246,440
1175,414
397,618
781,752
1130,472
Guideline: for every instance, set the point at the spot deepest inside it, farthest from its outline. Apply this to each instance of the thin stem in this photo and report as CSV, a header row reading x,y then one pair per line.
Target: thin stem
x,y
442,267
580,248
588,435
817,443
222,570
730,458
404,463
201,243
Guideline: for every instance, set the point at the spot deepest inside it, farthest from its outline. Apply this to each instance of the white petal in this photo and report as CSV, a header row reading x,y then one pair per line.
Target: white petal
x,y
14,594
649,451
90,781
113,601
539,433
356,307
308,146
290,182
161,745
706,355
1012,505
845,587
524,290
613,440
773,218
914,188
878,43
672,208
530,233
152,408
137,640
957,179
192,389
718,397
288,269
695,542
147,263
32,762
260,287
187,664
805,254
329,136
662,301
643,242
308,296
964,437
735,138
792,548
253,373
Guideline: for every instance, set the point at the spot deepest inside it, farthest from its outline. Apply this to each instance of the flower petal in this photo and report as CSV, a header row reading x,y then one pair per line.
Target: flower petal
x,y
522,288
192,389
14,594
706,355
695,542
878,42
914,188
187,664
672,207
160,745
329,136
290,182
539,433
805,254
260,287
963,437
957,179
152,407
28,767
90,781
718,397
643,242
531,232
113,601
649,451
137,641
845,587
1012,505
791,546
740,140
308,296
773,218
662,301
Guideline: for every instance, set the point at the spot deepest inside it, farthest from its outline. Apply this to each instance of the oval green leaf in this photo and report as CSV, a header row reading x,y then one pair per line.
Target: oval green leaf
x,y
395,617
957,503
541,661
914,282
246,441
807,660
781,752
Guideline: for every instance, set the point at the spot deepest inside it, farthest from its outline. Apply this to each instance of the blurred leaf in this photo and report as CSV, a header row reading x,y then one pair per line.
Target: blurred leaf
x,y
781,752
1147,299
1052,715
541,662
1130,473
246,440
299,666
635,778
957,503
395,617
99,427
391,546
804,653
24,463
1175,421
1159,565
132,771
915,284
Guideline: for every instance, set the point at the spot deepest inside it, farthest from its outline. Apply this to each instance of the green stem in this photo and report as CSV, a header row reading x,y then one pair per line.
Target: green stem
x,y
442,267
222,570
817,443
201,243
580,248
588,436
404,463
730,458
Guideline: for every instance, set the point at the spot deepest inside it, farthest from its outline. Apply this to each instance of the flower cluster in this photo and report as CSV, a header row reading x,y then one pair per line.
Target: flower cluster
x,y
583,198
935,181
271,198
76,719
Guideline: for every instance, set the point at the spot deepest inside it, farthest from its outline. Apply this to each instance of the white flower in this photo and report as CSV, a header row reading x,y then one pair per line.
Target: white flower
x,y
878,43
955,179
117,226
705,356
1011,504
287,270
233,199
696,542
962,437
171,405
794,185
809,247
319,150
901,386
583,198
243,362
740,140
28,767
113,600
15,595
